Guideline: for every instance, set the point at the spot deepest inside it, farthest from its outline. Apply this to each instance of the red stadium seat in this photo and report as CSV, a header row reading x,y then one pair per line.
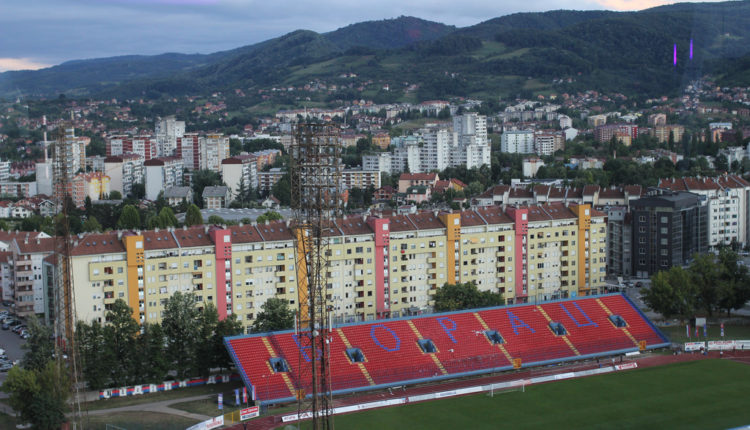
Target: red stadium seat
x,y
391,353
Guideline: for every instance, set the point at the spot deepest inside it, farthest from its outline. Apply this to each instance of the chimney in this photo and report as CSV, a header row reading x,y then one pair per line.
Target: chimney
x,y
119,234
156,229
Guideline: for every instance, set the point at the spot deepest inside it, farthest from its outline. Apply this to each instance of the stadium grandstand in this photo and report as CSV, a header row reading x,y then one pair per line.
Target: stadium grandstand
x,y
386,353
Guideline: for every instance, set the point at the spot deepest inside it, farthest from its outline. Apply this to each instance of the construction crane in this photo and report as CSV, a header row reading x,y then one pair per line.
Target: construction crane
x,y
66,349
315,169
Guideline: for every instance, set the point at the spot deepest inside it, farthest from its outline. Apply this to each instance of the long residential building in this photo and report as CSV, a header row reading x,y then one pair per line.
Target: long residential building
x,y
728,200
379,267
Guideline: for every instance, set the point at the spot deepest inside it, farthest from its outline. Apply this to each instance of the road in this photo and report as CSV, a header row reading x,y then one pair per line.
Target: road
x,y
11,343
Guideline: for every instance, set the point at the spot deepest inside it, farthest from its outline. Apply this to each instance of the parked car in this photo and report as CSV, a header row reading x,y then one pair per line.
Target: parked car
x,y
25,335
8,320
6,367
638,284
5,326
19,328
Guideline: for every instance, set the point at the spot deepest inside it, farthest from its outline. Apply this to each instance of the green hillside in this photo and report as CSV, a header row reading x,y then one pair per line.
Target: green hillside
x,y
628,52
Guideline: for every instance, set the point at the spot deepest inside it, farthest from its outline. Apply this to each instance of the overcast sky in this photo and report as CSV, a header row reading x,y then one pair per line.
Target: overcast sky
x,y
40,33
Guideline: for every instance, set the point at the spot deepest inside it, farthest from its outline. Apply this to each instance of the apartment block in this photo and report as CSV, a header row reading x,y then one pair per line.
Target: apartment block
x,y
667,230
517,142
124,171
162,173
238,172
143,145
377,267
167,131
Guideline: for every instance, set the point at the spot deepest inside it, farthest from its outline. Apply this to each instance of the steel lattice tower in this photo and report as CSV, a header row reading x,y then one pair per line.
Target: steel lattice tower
x,y
62,175
315,181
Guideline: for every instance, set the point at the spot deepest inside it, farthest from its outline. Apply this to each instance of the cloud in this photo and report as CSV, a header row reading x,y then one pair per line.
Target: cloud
x,y
7,64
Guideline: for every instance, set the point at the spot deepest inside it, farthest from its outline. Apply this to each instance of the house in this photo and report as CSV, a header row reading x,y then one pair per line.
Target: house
x,y
271,202
407,180
384,193
176,195
418,194
215,197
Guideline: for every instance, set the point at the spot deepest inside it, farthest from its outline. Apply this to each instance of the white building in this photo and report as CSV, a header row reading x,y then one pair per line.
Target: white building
x,y
517,142
436,153
565,122
727,198
124,171
162,173
167,131
213,149
28,253
531,166
381,162
239,171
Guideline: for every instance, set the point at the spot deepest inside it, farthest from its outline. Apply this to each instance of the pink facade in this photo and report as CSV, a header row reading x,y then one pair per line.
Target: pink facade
x,y
382,240
222,239
520,217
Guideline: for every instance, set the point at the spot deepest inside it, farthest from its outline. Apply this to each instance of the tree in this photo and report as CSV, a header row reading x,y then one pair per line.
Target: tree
x,y
282,190
39,347
91,345
138,191
672,293
120,335
453,297
215,219
269,216
129,218
180,324
705,275
205,354
115,195
229,326
153,359
39,395
202,179
91,224
166,214
274,315
193,216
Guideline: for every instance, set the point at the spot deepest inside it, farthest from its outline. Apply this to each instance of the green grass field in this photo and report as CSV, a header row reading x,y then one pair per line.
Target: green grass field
x,y
707,394
138,421
676,333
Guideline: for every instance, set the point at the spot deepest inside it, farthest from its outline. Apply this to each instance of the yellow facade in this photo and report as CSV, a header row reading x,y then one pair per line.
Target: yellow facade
x,y
563,255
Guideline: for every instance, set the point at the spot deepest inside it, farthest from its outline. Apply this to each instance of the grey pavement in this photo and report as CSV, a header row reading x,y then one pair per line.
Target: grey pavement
x,y
238,214
159,407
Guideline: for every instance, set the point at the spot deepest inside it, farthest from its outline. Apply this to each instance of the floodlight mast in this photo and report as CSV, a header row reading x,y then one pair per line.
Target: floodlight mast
x,y
315,168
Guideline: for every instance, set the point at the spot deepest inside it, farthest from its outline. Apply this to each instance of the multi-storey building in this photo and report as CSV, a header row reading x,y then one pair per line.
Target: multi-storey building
x,y
267,179
124,171
162,173
378,267
188,148
29,290
380,162
213,149
727,198
436,153
547,143
167,131
359,178
605,133
18,189
240,171
663,132
619,241
143,145
95,186
667,230
517,141
202,152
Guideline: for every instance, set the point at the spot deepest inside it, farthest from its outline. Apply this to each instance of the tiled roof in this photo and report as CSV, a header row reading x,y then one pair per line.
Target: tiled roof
x,y
417,177
98,243
494,215
471,218
426,221
353,226
401,223
192,237
558,211
245,234
274,231
161,239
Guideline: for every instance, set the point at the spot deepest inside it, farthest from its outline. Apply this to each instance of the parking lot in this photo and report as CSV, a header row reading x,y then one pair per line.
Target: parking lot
x,y
11,343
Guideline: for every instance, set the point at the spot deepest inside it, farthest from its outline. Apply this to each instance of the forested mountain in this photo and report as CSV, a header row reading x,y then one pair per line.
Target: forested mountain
x,y
629,52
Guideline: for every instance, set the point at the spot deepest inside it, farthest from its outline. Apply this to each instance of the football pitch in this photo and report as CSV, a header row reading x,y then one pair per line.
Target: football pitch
x,y
706,394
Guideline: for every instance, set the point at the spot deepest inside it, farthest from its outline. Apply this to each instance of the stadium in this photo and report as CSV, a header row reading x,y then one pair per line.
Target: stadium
x,y
402,362
405,351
